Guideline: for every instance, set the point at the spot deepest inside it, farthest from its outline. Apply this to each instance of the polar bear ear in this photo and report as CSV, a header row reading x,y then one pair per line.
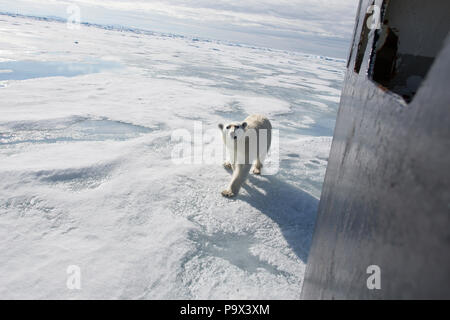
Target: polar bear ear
x,y
244,125
220,126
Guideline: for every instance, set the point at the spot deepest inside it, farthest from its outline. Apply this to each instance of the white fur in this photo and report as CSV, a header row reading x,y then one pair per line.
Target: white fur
x,y
243,154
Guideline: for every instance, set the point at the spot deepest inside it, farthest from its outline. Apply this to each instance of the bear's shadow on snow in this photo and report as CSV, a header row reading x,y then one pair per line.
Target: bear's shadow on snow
x,y
293,209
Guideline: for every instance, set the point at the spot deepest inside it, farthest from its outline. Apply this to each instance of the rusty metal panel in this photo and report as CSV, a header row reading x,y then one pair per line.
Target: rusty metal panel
x,y
386,195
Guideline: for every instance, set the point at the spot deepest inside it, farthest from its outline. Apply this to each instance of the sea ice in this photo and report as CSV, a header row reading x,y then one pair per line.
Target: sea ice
x,y
86,176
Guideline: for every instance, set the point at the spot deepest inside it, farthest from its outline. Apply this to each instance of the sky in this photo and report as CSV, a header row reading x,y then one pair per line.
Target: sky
x,y
322,27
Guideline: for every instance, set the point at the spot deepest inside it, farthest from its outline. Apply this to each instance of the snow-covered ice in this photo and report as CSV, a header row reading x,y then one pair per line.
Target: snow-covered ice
x,y
86,177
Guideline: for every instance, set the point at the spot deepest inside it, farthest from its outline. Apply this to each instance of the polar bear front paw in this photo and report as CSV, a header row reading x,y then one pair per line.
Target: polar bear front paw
x,y
227,165
228,193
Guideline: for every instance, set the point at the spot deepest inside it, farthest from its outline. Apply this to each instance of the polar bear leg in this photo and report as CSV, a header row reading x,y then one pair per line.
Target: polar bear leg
x,y
239,175
257,167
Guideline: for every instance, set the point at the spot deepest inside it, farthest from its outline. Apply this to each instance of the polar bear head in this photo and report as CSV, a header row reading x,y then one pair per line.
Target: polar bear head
x,y
234,130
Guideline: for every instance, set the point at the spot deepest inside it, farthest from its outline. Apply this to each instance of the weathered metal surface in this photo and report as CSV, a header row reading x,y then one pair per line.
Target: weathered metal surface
x,y
386,195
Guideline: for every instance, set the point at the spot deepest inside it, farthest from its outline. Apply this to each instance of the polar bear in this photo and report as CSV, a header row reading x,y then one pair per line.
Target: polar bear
x,y
247,143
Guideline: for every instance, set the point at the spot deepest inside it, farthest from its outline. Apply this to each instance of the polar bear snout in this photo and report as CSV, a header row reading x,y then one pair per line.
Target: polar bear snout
x,y
233,131
236,133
